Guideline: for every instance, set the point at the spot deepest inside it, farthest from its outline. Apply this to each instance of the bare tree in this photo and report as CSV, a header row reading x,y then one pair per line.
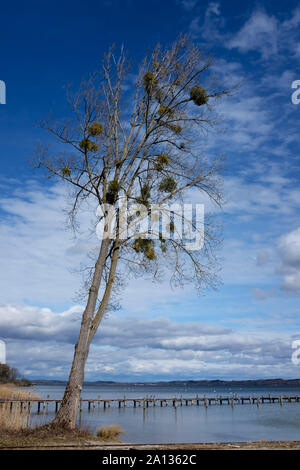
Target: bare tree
x,y
138,136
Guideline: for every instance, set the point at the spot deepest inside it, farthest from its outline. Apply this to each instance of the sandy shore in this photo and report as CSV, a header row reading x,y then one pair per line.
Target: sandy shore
x,y
95,445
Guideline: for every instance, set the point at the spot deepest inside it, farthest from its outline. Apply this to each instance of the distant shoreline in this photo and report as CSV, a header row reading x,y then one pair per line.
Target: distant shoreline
x,y
191,383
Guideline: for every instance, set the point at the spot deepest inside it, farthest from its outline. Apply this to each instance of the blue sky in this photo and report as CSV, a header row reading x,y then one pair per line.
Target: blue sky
x,y
246,328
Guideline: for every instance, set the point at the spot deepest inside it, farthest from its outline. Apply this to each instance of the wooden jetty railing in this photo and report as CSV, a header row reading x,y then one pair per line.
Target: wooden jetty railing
x,y
43,404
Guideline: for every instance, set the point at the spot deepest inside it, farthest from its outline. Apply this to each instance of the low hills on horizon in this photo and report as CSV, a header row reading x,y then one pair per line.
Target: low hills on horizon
x,y
172,383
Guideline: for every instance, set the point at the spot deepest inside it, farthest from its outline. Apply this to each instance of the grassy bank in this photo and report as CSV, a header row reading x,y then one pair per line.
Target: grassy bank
x,y
15,430
47,436
14,419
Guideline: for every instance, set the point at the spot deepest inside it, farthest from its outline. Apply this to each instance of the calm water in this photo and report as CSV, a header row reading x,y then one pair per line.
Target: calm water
x,y
186,424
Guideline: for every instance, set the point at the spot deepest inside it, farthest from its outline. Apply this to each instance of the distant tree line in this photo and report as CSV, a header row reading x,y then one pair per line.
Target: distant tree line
x,y
11,375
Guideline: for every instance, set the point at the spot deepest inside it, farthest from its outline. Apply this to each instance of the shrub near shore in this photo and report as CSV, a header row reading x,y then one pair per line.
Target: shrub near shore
x,y
10,375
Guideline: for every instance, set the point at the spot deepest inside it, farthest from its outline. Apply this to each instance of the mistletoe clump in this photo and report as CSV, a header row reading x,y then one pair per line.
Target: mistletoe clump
x,y
87,144
163,109
163,247
198,95
95,129
150,82
145,194
162,160
145,246
145,191
162,240
176,128
66,171
167,185
112,193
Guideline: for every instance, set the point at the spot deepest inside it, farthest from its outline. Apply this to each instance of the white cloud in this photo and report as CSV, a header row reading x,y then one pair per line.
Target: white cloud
x,y
289,251
267,35
293,21
208,28
39,344
35,247
259,33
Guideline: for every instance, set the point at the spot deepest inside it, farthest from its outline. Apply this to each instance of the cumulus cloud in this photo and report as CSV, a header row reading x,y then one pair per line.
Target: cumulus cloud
x,y
35,323
40,342
267,35
259,33
263,33
39,324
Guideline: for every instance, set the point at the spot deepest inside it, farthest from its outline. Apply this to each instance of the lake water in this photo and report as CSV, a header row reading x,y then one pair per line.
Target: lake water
x,y
185,423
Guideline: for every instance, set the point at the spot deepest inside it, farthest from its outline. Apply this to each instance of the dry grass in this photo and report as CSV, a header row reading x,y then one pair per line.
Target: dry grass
x,y
8,391
109,433
47,435
15,418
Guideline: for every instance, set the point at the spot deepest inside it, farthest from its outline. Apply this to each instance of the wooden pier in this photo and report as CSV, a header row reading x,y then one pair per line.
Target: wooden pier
x,y
41,405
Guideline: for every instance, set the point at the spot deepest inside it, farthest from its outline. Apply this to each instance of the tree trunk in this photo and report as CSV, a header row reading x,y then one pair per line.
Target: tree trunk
x,y
66,416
